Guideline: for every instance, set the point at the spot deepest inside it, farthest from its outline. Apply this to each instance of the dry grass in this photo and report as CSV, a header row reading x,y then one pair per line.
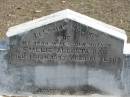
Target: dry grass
x,y
114,12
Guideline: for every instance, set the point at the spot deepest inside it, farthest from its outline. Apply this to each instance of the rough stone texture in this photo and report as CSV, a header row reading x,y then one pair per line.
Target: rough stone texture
x,y
92,61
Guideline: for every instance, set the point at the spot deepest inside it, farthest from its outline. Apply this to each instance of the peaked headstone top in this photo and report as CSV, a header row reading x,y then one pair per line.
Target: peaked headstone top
x,y
68,14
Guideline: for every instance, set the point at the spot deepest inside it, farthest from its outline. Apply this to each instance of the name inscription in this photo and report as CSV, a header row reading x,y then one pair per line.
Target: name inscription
x,y
58,45
82,54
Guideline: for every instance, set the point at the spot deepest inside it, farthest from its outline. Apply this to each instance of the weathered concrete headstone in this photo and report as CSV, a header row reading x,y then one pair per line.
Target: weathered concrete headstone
x,y
63,53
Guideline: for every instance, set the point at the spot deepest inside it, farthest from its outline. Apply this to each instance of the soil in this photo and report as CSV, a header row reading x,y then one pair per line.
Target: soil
x,y
114,12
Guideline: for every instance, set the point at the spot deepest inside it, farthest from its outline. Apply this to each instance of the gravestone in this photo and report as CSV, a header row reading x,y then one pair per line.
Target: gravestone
x,y
63,53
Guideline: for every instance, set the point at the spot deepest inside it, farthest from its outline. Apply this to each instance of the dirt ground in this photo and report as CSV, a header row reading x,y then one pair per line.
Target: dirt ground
x,y
114,12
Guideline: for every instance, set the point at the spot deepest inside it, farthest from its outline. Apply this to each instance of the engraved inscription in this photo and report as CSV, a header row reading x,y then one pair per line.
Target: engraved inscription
x,y
64,42
82,54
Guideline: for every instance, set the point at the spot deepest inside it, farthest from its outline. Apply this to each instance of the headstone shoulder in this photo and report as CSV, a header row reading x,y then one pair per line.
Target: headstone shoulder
x,y
126,49
3,44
